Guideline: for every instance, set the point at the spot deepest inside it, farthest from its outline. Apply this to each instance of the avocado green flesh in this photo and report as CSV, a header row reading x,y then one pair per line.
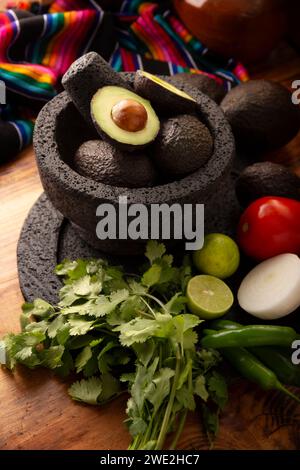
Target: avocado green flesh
x,y
166,85
101,105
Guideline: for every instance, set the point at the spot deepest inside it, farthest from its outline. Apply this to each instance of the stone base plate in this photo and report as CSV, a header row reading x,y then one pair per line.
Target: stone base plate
x,y
47,238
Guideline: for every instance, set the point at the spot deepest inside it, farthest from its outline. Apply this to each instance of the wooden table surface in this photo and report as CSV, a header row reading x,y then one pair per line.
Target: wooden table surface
x,y
35,410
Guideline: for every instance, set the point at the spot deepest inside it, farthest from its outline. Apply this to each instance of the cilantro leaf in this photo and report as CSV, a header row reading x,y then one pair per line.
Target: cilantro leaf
x,y
210,421
86,390
102,357
160,387
207,359
187,370
176,304
98,307
67,365
39,308
217,387
79,326
144,351
77,342
37,326
91,367
154,250
110,387
82,358
200,388
143,378
137,288
56,325
184,325
137,426
137,330
185,397
152,276
72,269
51,357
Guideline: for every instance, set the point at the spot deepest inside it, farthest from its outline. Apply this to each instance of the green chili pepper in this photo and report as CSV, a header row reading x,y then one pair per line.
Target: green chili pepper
x,y
252,369
277,359
280,363
225,325
252,335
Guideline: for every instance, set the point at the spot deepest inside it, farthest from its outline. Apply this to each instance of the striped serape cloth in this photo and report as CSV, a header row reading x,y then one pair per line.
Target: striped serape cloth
x,y
38,43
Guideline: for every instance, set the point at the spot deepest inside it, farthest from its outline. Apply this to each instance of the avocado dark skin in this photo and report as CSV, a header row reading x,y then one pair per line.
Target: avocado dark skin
x,y
266,179
202,82
102,162
262,115
183,145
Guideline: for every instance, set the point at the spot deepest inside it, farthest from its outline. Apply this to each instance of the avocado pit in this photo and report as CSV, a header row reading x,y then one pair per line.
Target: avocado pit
x,y
129,115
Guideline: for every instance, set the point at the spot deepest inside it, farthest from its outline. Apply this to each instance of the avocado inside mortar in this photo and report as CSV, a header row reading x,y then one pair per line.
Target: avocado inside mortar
x,y
123,118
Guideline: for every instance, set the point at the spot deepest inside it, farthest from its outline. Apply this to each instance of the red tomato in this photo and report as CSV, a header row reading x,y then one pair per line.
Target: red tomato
x,y
270,226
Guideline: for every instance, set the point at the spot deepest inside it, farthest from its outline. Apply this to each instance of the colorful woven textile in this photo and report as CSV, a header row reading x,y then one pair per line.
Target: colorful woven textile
x,y
38,44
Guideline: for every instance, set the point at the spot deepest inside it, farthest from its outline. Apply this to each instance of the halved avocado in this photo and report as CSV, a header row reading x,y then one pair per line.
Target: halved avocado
x,y
166,98
123,118
202,82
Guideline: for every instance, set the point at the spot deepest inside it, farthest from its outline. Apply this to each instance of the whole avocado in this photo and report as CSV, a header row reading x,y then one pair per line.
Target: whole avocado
x,y
106,164
266,179
202,82
183,145
262,115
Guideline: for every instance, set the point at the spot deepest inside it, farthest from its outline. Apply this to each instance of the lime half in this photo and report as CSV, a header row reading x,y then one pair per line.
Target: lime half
x,y
208,297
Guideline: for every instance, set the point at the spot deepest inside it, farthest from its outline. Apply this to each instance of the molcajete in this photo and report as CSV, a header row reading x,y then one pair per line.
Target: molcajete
x,y
60,130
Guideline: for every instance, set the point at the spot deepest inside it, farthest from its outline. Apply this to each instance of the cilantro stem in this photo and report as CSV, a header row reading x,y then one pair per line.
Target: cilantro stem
x,y
148,306
149,431
165,423
179,430
134,442
157,301
156,425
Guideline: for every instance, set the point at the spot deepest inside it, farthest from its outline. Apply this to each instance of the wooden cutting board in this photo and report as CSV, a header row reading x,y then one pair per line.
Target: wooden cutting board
x,y
35,411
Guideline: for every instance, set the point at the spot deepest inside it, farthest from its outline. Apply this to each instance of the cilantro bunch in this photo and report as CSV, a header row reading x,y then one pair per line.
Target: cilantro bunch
x,y
125,332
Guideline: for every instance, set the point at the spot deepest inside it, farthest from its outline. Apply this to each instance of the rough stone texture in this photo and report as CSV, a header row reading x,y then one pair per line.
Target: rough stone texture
x,y
203,83
103,162
60,130
85,76
47,238
37,251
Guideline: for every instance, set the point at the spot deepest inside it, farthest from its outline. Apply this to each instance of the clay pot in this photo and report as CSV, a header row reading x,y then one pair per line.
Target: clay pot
x,y
247,30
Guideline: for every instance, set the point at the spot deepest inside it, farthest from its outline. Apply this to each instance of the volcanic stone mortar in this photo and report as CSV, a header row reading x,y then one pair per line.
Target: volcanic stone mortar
x,y
60,130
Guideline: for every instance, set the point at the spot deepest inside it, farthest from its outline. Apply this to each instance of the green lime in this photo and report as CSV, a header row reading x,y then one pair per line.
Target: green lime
x,y
218,257
208,297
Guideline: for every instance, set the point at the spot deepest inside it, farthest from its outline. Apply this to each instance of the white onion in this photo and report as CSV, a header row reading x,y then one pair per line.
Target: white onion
x,y
272,289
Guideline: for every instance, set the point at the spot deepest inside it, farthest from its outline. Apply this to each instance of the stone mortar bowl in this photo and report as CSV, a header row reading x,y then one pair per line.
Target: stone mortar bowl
x,y
59,131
